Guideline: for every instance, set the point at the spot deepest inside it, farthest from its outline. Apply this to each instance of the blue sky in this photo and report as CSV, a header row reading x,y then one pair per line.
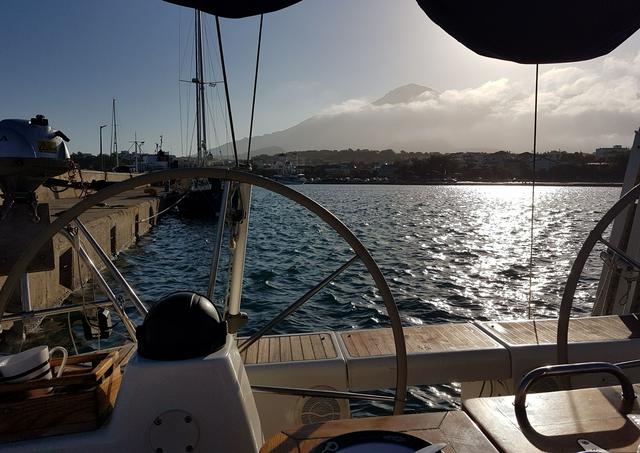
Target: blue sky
x,y
67,59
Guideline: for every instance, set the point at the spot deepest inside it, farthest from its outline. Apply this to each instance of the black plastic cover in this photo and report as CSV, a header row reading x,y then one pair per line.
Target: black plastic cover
x,y
235,9
182,325
537,31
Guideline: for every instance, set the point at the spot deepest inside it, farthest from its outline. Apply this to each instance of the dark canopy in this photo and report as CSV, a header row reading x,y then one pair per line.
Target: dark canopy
x,y
524,31
537,31
235,9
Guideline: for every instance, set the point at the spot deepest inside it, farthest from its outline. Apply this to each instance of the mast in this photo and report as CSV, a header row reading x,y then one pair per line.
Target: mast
x,y
200,95
137,149
114,132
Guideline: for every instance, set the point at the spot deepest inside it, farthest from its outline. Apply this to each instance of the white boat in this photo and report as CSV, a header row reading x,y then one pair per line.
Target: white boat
x,y
290,180
289,174
192,385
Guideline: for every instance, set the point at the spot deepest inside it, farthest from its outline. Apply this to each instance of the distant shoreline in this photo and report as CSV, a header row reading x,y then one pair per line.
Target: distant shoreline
x,y
470,183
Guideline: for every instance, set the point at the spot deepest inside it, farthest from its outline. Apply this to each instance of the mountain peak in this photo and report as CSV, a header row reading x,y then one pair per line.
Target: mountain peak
x,y
403,94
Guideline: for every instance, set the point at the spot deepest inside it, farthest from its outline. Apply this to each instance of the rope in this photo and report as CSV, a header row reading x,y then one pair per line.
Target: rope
x,y
255,85
226,91
165,209
533,194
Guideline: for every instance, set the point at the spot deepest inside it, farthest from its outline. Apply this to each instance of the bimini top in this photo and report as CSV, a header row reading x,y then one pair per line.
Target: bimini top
x,y
537,31
235,9
526,31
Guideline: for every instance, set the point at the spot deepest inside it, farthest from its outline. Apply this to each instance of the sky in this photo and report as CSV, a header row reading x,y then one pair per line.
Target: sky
x,y
326,59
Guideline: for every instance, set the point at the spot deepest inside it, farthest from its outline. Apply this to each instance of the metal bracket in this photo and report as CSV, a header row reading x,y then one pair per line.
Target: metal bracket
x,y
236,322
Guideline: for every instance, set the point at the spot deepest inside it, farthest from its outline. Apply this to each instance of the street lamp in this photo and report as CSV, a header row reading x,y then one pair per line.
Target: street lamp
x,y
101,156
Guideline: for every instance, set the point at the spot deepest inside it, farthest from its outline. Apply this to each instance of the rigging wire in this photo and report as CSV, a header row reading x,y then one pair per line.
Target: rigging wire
x,y
223,115
209,104
180,86
255,85
188,52
533,195
226,90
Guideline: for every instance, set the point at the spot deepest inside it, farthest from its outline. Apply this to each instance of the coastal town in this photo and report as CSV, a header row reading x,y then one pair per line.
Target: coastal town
x,y
364,166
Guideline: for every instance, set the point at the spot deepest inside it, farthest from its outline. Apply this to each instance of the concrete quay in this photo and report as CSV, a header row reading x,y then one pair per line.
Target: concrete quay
x,y
115,224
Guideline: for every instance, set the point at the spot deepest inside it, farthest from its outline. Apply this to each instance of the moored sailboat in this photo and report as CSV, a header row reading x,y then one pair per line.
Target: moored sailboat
x,y
201,198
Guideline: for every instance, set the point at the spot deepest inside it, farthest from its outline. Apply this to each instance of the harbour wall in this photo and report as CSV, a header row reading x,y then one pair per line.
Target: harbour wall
x,y
115,224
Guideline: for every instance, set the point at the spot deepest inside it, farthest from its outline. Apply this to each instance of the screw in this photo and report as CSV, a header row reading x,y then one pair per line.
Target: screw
x,y
158,450
189,448
188,419
158,422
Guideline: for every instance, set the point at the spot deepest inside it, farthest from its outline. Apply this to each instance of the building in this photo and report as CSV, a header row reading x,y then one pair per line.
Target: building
x,y
611,153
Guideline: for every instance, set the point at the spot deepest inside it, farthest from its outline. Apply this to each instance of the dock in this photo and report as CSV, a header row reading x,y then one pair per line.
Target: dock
x,y
115,224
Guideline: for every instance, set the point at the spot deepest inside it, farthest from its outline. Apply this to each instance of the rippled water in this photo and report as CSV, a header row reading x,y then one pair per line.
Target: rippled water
x,y
449,253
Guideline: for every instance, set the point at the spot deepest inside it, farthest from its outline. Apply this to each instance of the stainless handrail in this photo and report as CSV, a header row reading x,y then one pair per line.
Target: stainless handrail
x,y
535,375
115,273
99,279
57,310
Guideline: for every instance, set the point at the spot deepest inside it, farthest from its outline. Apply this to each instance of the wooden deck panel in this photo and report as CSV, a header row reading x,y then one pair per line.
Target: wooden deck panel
x,y
285,349
599,328
307,349
296,348
423,339
290,348
329,348
316,344
559,419
263,350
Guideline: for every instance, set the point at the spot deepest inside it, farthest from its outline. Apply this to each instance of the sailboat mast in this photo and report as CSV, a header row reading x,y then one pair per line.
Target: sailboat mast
x,y
114,131
200,95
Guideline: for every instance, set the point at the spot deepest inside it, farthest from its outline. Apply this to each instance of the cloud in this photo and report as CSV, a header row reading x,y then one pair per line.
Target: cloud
x,y
579,109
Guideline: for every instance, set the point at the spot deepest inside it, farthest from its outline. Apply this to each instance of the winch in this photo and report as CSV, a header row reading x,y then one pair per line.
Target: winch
x,y
30,153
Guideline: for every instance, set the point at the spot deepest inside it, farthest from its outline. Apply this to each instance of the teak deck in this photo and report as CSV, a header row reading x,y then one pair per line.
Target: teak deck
x,y
423,339
289,348
599,328
560,419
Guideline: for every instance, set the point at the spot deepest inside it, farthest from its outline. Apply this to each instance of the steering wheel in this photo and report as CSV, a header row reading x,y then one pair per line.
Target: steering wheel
x,y
594,237
242,177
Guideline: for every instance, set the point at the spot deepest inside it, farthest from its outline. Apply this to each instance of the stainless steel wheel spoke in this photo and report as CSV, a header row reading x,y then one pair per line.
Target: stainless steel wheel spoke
x,y
294,306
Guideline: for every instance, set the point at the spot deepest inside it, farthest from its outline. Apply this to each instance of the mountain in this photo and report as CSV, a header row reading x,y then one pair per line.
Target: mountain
x,y
403,95
397,120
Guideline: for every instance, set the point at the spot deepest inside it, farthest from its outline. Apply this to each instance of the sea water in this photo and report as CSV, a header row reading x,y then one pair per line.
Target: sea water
x,y
449,253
